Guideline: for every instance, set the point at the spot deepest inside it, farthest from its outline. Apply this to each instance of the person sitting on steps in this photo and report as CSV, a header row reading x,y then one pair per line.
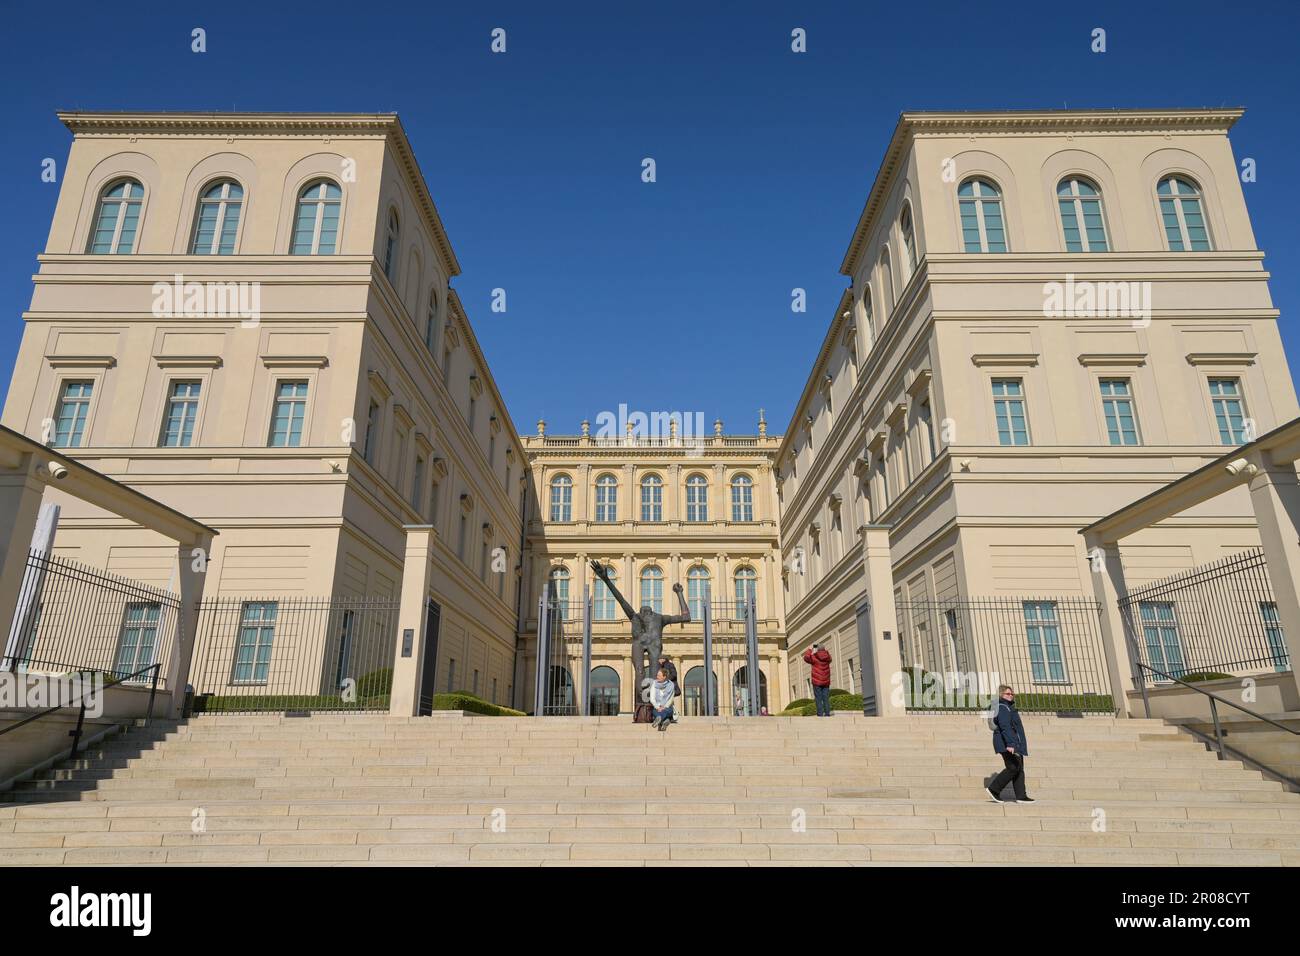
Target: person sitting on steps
x,y
661,699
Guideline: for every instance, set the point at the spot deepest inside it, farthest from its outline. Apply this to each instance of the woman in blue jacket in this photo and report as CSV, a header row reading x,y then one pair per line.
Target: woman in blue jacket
x,y
1009,741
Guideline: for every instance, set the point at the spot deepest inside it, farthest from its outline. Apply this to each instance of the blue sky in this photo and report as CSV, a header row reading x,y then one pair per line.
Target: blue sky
x,y
666,296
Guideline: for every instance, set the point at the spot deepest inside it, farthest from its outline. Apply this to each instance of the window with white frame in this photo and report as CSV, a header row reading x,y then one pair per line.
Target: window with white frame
x,y
697,498
1009,411
217,222
1229,410
603,605
1043,632
74,409
742,498
1273,636
256,634
1082,222
1117,409
316,220
652,588
370,443
561,498
652,498
182,412
1160,635
697,587
117,219
745,586
1183,215
606,499
137,638
909,241
980,205
288,414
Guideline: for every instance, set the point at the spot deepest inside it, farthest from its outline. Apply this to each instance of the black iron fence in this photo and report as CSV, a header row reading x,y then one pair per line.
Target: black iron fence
x,y
293,654
1216,619
559,649
72,617
1049,649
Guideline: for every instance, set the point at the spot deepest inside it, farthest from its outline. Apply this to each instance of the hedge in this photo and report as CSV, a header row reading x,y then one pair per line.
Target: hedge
x,y
268,703
472,704
1204,675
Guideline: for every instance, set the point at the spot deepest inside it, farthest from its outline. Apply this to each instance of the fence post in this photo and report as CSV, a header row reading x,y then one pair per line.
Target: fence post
x,y
191,571
1275,498
586,652
408,658
753,676
1108,585
539,678
886,641
710,691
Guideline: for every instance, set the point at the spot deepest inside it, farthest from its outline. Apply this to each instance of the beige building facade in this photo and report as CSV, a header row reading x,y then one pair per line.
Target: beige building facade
x,y
656,507
248,317
1051,314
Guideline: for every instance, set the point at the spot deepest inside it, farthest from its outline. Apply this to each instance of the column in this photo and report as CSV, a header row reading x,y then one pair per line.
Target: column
x,y
1108,586
191,575
417,570
1275,497
885,655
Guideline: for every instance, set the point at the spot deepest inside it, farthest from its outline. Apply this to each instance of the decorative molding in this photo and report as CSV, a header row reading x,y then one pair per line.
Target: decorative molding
x,y
876,440
1007,359
920,382
81,361
188,361
438,465
861,465
402,416
1222,358
475,384
466,502
896,414
1127,359
295,361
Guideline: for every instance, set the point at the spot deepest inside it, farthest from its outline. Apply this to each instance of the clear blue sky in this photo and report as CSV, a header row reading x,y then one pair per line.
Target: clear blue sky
x,y
534,157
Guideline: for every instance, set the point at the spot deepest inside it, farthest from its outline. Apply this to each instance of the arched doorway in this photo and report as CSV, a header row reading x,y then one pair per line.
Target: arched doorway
x,y
604,691
740,691
693,704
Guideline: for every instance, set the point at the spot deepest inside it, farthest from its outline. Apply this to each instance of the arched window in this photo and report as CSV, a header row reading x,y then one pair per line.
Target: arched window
x,y
693,691
652,588
981,216
117,220
909,241
697,498
561,498
1183,217
740,691
316,220
1081,219
886,285
603,605
746,582
697,587
742,498
606,499
217,222
431,323
652,498
868,313
604,691
390,248
557,589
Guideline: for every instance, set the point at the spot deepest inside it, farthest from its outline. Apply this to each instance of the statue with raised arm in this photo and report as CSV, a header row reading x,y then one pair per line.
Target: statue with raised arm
x,y
647,629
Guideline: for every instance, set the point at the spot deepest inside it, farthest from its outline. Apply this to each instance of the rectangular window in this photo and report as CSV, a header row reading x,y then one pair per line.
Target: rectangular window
x,y
1009,411
433,504
501,575
289,414
492,452
451,675
483,561
494,690
1229,410
460,537
1117,407
446,366
345,649
256,634
652,501
1273,635
602,601
74,408
1160,634
926,420
137,639
417,486
370,441
1043,631
475,691
473,411
182,412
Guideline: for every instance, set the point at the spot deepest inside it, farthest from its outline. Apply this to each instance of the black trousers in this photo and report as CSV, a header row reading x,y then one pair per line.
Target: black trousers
x,y
1013,774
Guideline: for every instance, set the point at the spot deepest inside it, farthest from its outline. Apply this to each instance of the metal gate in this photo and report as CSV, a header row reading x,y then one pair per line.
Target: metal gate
x,y
554,691
1049,649
730,656
293,654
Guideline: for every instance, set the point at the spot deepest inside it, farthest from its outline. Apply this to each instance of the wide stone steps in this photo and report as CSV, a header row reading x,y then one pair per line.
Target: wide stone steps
x,y
522,791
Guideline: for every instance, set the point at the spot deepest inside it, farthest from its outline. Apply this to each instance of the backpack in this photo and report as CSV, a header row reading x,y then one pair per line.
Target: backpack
x,y
644,714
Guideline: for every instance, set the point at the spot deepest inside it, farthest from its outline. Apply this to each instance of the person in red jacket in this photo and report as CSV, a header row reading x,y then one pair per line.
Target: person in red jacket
x,y
819,659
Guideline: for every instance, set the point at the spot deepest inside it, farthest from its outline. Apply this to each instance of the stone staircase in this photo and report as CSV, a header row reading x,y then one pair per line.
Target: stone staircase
x,y
452,789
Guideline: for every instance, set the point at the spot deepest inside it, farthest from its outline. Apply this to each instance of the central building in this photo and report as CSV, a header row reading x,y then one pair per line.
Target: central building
x,y
655,510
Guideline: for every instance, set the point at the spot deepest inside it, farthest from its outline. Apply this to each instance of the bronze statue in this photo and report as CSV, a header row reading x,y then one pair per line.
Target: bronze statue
x,y
647,629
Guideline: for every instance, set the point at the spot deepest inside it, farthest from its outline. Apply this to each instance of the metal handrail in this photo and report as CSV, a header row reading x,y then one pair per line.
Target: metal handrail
x,y
1214,710
76,733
